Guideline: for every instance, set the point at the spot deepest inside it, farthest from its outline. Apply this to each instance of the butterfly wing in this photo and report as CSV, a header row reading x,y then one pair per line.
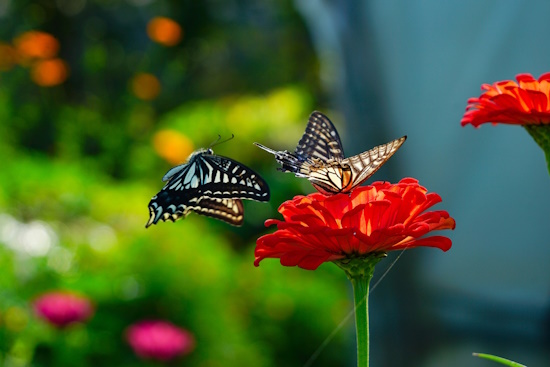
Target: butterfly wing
x,y
364,165
173,207
343,176
209,185
226,178
320,140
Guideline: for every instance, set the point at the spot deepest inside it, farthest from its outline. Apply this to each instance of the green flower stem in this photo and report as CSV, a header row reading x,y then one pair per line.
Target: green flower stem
x,y
360,295
541,135
359,272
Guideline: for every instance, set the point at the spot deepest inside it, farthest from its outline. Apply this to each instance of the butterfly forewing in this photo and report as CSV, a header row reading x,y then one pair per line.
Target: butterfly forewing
x,y
210,185
230,179
320,140
367,163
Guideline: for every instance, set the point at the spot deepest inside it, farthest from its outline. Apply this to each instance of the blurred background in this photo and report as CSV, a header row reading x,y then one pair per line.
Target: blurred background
x,y
98,99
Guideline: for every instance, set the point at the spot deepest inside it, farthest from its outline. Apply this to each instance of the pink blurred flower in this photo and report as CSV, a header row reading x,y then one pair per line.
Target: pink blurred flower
x,y
159,340
61,308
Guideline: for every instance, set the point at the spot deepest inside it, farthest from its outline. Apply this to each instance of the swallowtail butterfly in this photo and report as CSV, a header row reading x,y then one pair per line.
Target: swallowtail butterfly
x,y
210,185
319,157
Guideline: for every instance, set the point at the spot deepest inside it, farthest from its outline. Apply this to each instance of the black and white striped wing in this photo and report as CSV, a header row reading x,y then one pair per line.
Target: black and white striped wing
x,y
227,210
227,178
343,176
217,177
165,207
320,140
210,185
364,165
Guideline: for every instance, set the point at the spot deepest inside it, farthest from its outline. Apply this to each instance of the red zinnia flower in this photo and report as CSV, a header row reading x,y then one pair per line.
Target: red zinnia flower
x,y
62,308
526,102
372,219
159,340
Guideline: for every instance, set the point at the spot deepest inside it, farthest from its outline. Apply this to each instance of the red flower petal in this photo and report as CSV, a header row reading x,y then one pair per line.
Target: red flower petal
x,y
371,219
523,103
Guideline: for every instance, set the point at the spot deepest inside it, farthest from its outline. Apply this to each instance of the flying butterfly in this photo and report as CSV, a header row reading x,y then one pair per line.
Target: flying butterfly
x,y
209,185
319,157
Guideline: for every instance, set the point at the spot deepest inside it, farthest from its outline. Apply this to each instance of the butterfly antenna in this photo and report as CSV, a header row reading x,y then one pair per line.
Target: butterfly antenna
x,y
218,142
274,152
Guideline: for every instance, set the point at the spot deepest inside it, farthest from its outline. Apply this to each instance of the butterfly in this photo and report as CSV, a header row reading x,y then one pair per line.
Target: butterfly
x,y
319,157
209,185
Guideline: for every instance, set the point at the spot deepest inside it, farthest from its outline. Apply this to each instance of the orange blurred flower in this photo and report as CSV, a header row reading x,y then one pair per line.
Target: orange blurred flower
x,y
164,30
172,146
507,102
36,44
48,73
8,56
145,86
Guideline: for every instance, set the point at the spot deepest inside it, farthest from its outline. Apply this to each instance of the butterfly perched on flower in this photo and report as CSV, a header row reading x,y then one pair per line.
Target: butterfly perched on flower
x,y
319,157
209,185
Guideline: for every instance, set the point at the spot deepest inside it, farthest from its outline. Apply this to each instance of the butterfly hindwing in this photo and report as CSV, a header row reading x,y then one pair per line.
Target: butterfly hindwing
x,y
227,210
169,207
209,185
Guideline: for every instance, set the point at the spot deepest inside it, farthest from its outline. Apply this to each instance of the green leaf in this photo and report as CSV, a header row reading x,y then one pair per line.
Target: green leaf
x,y
500,360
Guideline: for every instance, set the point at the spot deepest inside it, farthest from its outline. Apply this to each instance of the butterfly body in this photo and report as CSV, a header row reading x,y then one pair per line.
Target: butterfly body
x,y
209,185
319,157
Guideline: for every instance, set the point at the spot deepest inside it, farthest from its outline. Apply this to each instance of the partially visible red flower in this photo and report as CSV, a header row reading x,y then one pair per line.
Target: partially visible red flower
x,y
159,340
526,102
371,219
62,308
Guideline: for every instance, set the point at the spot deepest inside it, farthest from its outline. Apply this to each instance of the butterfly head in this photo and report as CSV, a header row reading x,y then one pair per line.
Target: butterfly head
x,y
290,162
198,152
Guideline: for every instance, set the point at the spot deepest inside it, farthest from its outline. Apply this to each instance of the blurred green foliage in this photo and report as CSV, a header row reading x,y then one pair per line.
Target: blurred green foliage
x,y
80,166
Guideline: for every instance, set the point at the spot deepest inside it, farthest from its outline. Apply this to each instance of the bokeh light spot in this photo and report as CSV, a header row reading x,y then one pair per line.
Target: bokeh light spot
x,y
145,86
165,31
60,260
71,7
37,238
102,238
49,73
15,319
172,146
36,44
